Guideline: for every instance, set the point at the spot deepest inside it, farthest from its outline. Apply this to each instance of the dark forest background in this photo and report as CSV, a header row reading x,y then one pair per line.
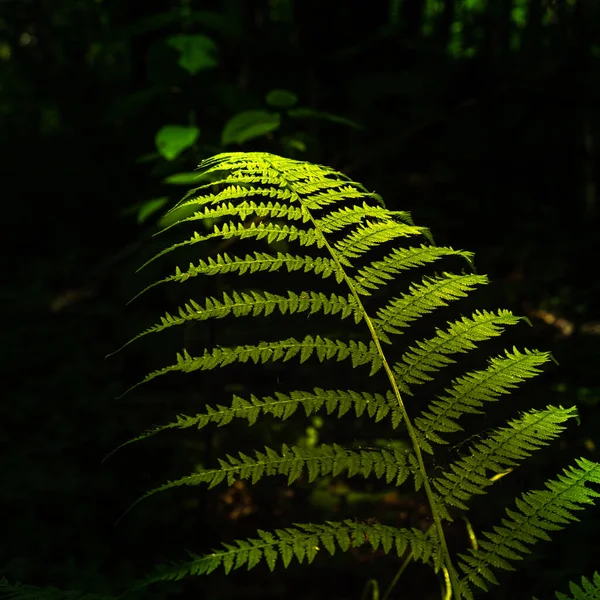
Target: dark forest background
x,y
480,117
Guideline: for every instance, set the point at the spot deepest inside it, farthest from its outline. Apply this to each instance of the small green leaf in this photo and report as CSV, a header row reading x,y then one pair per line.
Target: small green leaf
x,y
281,99
309,113
248,125
177,215
172,140
148,208
197,52
183,178
293,143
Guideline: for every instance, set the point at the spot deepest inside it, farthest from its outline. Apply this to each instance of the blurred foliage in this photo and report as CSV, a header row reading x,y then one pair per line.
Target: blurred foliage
x,y
450,109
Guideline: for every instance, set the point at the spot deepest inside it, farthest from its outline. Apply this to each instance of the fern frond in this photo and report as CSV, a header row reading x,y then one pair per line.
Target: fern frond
x,y
255,304
276,170
343,217
433,354
401,259
272,232
280,350
325,193
330,190
366,236
211,206
316,210
501,450
283,406
391,465
469,392
588,590
260,261
537,513
314,187
303,542
421,299
244,209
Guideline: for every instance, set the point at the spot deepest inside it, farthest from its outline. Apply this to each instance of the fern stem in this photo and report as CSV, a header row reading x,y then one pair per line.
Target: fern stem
x,y
397,576
409,426
419,456
372,583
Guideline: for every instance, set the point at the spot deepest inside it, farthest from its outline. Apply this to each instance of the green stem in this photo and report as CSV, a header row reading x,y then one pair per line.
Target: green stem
x,y
437,521
397,576
372,583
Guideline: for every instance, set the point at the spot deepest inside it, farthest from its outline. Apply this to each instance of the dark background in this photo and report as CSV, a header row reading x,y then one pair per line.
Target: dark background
x,y
481,118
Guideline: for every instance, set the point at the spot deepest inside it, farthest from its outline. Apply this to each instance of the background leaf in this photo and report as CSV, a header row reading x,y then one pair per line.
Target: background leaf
x,y
281,99
309,113
248,125
150,207
197,52
183,178
172,140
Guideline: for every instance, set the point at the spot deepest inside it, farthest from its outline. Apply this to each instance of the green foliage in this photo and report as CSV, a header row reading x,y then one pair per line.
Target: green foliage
x,y
196,52
589,590
458,93
249,125
172,140
281,99
342,237
302,542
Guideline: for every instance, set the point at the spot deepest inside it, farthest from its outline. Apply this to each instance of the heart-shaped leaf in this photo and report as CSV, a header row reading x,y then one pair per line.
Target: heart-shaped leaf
x,y
172,140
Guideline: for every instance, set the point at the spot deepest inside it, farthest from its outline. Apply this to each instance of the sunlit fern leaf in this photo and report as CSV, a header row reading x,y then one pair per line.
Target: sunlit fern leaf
x,y
255,304
470,391
588,590
423,298
365,237
537,514
243,210
394,466
220,201
502,449
402,259
431,355
346,216
282,350
339,234
303,542
311,181
283,406
259,261
270,231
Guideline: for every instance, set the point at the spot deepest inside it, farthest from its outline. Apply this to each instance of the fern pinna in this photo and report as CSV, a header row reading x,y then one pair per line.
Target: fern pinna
x,y
351,259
